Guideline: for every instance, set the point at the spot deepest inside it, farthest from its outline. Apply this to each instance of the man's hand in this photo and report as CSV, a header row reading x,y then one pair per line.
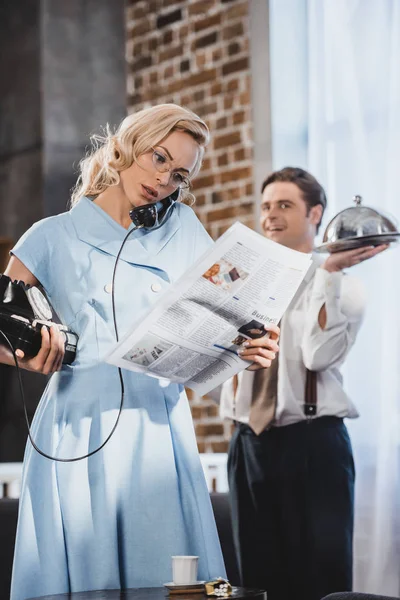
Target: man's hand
x,y
261,351
344,260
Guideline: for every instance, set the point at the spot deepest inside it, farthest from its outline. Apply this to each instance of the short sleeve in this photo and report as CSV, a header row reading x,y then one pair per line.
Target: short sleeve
x,y
34,250
197,240
203,241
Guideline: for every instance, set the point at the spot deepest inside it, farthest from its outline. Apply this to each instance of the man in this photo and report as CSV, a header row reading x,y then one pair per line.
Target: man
x,y
291,470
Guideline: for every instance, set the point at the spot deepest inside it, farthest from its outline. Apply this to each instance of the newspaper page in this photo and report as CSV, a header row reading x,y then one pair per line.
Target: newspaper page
x,y
194,332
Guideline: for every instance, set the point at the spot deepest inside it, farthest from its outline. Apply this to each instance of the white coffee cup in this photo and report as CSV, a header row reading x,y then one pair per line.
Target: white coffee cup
x,y
184,569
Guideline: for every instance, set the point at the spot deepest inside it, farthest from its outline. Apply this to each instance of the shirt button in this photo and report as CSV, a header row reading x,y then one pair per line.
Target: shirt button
x,y
108,288
156,287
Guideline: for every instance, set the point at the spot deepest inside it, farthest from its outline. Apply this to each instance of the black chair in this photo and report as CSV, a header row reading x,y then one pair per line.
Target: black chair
x,y
222,513
356,596
8,525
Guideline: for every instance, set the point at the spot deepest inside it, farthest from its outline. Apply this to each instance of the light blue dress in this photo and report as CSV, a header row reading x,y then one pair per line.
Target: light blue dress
x,y
113,520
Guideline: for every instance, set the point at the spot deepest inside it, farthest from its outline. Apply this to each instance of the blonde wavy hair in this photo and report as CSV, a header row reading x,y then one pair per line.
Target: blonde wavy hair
x,y
136,135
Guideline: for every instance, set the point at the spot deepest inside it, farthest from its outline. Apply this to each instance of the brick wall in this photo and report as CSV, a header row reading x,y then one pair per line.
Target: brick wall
x,y
196,53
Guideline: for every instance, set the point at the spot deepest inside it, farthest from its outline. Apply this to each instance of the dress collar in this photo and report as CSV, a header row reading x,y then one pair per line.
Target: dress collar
x,y
96,228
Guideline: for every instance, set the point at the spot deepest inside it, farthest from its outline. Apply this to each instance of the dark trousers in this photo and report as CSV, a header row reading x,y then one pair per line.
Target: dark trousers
x,y
292,495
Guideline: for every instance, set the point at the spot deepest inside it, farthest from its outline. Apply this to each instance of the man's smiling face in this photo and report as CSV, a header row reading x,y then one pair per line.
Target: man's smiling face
x,y
286,218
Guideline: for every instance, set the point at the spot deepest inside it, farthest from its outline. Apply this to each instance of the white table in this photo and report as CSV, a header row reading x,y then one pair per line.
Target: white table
x,y
10,479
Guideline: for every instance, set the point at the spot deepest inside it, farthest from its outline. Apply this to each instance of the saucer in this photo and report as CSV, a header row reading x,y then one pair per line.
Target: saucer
x,y
182,588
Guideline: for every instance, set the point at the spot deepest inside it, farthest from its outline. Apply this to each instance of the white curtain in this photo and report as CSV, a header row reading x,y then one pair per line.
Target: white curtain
x,y
335,70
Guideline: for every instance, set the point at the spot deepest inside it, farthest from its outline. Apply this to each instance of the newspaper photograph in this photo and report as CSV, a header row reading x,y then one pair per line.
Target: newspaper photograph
x,y
194,332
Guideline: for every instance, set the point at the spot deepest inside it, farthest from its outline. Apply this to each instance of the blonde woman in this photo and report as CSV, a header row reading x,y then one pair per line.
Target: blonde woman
x,y
113,520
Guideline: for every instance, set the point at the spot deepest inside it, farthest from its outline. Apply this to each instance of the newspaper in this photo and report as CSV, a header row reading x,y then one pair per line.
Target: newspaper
x,y
194,332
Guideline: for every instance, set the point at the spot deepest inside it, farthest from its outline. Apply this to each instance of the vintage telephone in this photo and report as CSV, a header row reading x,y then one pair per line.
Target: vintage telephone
x,y
24,310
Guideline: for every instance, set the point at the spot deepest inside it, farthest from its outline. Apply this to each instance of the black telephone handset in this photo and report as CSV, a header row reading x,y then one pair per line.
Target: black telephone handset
x,y
153,215
24,310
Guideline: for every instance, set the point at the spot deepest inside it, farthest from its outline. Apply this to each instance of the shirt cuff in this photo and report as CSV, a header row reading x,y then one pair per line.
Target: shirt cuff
x,y
327,285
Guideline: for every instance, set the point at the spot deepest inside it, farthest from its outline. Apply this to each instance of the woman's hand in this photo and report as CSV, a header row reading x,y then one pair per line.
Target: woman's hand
x,y
344,260
261,351
50,356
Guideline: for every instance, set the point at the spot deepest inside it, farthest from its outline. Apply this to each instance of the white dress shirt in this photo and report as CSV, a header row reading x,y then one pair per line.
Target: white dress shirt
x,y
304,344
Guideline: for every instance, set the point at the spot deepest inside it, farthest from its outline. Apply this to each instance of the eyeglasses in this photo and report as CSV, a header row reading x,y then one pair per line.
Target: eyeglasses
x,y
163,165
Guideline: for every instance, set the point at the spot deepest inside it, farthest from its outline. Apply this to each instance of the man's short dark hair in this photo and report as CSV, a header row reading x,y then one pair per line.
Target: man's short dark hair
x,y
312,191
